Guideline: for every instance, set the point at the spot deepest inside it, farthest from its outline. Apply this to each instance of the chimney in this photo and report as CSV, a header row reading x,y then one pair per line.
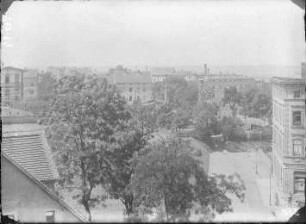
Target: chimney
x,y
303,70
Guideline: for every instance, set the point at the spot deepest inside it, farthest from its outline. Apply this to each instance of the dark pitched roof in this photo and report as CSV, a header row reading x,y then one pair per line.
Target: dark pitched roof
x,y
43,187
31,151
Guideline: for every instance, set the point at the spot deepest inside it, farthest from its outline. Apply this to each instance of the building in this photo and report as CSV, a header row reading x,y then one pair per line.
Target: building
x,y
25,199
26,144
11,85
30,84
28,172
264,86
133,85
18,85
289,139
212,86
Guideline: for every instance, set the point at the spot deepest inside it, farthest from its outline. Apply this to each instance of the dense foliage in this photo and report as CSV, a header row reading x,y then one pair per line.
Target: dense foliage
x,y
93,136
170,184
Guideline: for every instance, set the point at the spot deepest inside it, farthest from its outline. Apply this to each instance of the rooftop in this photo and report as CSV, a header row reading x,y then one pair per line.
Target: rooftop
x,y
43,187
131,79
283,80
27,146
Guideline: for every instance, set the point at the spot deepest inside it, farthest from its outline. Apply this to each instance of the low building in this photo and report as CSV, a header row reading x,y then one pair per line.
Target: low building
x,y
25,199
289,138
29,173
27,145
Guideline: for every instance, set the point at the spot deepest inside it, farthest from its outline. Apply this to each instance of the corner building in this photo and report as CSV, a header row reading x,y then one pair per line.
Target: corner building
x,y
289,139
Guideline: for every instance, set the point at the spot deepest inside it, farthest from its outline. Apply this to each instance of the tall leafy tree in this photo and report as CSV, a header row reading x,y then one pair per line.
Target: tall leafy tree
x,y
46,86
232,98
256,104
93,137
206,121
169,180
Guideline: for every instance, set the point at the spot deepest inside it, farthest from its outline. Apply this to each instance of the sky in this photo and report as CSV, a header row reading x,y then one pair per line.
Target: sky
x,y
154,33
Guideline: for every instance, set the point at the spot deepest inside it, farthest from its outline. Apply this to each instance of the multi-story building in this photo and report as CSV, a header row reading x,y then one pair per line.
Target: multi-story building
x,y
289,138
212,86
11,85
30,84
133,86
18,84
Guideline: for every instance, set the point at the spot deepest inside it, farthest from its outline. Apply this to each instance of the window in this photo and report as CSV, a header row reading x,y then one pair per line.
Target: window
x,y
299,182
31,91
297,94
50,216
130,98
131,89
7,79
297,147
32,84
297,118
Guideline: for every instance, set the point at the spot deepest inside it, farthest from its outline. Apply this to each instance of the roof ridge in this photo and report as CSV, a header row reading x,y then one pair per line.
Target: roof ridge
x,y
43,187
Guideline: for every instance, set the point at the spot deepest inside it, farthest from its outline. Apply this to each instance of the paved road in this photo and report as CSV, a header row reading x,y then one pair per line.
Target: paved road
x,y
253,208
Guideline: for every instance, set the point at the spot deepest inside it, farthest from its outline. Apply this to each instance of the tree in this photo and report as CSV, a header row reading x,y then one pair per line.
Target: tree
x,y
147,116
232,98
46,86
93,137
231,128
206,122
169,180
256,104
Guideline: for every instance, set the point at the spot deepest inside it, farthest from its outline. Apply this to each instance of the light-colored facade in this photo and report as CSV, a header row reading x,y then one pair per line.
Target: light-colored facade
x,y
17,85
289,138
25,199
11,85
212,86
30,84
133,86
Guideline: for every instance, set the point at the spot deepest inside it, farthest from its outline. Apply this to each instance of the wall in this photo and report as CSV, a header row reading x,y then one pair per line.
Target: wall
x,y
24,198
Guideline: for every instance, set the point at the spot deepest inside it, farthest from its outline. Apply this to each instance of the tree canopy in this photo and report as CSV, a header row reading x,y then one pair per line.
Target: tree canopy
x,y
93,136
233,98
170,183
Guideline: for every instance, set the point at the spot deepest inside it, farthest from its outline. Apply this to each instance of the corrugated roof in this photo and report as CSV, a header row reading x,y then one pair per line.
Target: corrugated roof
x,y
132,79
31,151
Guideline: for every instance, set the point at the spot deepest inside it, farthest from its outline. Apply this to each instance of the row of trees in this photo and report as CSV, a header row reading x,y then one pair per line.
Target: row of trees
x,y
252,103
98,140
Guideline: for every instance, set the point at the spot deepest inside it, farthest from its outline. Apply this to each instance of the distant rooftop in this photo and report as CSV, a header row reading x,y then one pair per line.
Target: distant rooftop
x,y
131,79
283,80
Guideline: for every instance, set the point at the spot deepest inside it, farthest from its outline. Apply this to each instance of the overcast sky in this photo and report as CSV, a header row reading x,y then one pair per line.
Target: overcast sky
x,y
173,33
